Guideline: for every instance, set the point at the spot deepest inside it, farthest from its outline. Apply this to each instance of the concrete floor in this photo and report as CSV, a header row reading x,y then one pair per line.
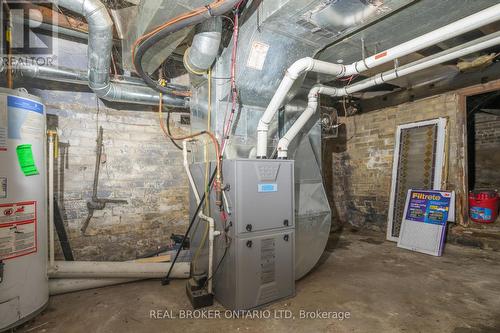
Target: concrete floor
x,y
385,289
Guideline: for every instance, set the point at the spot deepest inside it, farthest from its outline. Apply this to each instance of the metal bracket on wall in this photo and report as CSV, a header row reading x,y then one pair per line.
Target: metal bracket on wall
x,y
97,203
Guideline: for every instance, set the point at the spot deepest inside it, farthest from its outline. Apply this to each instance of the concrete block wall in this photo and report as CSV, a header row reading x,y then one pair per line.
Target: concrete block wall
x,y
361,158
141,166
487,151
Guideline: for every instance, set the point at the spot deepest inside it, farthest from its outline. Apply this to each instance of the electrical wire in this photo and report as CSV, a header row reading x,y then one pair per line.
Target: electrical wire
x,y
207,171
218,265
166,279
234,90
218,181
147,41
160,114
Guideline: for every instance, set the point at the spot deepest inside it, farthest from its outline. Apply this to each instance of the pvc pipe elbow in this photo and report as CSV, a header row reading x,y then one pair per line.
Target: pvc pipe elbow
x,y
300,67
283,148
262,126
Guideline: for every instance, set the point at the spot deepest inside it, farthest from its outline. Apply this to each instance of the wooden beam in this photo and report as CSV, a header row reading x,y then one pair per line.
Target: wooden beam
x,y
474,82
52,17
62,20
164,258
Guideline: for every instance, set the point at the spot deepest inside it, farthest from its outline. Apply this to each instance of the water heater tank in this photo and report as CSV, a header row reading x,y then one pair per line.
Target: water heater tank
x,y
23,206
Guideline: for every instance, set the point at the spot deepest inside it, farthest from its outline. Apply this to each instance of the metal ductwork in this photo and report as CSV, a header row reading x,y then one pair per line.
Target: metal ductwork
x,y
100,42
205,47
127,89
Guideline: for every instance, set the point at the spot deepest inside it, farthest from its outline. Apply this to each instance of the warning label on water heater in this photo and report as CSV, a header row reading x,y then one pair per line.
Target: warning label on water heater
x,y
18,229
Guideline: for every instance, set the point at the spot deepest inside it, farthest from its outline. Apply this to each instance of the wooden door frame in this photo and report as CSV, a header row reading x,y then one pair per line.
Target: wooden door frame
x,y
462,200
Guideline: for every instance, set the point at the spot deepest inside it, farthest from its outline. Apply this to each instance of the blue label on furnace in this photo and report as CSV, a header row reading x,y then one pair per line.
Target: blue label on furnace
x,y
265,188
25,104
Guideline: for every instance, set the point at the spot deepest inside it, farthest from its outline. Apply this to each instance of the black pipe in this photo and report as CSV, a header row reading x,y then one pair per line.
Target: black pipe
x,y
61,233
143,47
166,279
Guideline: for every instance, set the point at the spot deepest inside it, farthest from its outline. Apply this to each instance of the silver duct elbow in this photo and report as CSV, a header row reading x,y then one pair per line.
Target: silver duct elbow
x,y
100,40
205,47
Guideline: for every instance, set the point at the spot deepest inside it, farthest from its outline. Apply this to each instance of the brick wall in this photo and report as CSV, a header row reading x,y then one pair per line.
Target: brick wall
x,y
361,158
487,151
141,166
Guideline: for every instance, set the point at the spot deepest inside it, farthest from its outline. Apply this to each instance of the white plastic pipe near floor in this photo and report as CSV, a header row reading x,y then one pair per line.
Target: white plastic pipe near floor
x,y
51,200
301,66
63,286
439,58
132,270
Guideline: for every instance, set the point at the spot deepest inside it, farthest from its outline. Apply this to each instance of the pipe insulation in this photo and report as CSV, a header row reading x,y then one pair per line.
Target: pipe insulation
x,y
302,66
100,42
476,45
205,47
129,270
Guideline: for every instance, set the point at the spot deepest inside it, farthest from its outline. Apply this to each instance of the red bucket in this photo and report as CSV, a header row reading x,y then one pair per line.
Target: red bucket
x,y
483,206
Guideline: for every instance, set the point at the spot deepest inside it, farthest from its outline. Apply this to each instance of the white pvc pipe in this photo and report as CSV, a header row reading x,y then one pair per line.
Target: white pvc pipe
x,y
312,105
131,270
298,68
304,65
439,58
51,201
457,28
211,222
64,286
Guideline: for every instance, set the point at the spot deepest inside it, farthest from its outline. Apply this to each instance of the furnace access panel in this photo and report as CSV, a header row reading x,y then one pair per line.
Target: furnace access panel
x,y
259,264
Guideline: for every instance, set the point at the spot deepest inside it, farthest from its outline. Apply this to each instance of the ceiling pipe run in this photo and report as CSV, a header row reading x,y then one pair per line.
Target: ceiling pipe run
x,y
301,66
129,90
439,58
100,42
